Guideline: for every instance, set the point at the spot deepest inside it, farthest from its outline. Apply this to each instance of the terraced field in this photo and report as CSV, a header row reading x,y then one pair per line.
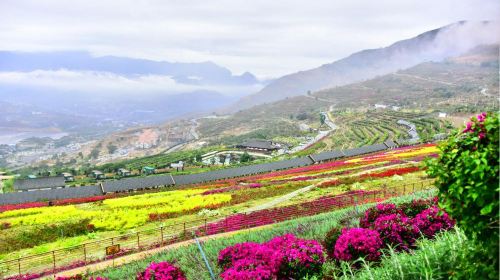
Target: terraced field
x,y
356,130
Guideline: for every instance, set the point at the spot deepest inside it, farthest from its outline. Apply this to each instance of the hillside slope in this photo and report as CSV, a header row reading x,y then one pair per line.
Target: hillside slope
x,y
461,84
434,45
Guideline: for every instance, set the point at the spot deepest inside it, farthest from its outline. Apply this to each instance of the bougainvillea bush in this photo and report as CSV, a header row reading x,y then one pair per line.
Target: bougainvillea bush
x,y
466,173
283,257
161,271
416,206
397,231
355,243
433,220
374,212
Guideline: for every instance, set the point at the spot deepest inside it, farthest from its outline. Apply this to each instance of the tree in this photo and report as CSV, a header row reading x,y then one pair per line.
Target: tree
x,y
112,148
198,157
94,153
322,119
466,175
245,157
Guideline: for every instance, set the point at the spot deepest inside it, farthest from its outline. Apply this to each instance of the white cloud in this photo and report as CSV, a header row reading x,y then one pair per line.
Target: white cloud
x,y
268,38
105,82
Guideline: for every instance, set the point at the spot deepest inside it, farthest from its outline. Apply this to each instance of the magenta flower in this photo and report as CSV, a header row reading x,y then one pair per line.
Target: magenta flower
x,y
283,257
358,243
468,127
374,212
397,231
161,271
432,220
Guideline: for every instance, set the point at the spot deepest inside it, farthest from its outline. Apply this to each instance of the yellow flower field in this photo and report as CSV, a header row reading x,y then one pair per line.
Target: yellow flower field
x,y
117,213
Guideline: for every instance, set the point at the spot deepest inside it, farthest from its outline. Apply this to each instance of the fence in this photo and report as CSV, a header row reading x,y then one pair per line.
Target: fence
x,y
34,266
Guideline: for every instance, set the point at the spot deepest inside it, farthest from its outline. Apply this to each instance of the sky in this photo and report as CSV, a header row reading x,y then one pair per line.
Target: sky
x,y
266,38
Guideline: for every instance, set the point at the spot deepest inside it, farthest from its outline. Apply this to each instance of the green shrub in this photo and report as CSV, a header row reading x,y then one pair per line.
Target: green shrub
x,y
466,175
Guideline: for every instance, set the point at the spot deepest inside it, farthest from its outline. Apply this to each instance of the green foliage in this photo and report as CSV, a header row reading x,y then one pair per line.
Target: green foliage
x,y
8,185
245,157
94,153
17,238
111,148
467,178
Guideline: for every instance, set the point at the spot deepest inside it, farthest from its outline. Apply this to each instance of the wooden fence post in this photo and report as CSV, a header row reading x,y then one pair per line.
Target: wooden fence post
x,y
19,266
138,242
54,261
84,253
161,237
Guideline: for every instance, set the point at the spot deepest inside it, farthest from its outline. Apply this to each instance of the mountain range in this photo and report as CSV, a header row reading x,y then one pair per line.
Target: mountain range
x,y
434,45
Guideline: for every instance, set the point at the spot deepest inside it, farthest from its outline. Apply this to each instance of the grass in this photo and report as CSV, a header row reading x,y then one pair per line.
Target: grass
x,y
189,258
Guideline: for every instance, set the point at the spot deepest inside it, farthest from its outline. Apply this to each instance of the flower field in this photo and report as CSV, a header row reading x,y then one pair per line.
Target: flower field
x,y
119,213
106,216
297,248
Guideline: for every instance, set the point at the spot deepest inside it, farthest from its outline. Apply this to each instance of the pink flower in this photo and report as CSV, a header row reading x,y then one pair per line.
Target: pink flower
x,y
374,212
432,220
358,243
161,271
283,257
468,127
481,117
397,231
482,135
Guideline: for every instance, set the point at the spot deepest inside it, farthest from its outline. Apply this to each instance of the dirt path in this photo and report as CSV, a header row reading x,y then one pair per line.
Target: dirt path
x,y
423,79
280,199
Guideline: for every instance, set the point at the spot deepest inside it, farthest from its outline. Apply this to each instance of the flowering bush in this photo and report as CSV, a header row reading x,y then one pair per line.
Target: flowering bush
x,y
466,175
249,269
414,207
374,212
300,257
357,243
161,271
249,261
432,220
230,255
396,230
283,257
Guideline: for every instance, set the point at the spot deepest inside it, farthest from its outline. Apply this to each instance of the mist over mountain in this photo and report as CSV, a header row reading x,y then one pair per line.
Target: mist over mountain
x,y
434,45
118,89
203,73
